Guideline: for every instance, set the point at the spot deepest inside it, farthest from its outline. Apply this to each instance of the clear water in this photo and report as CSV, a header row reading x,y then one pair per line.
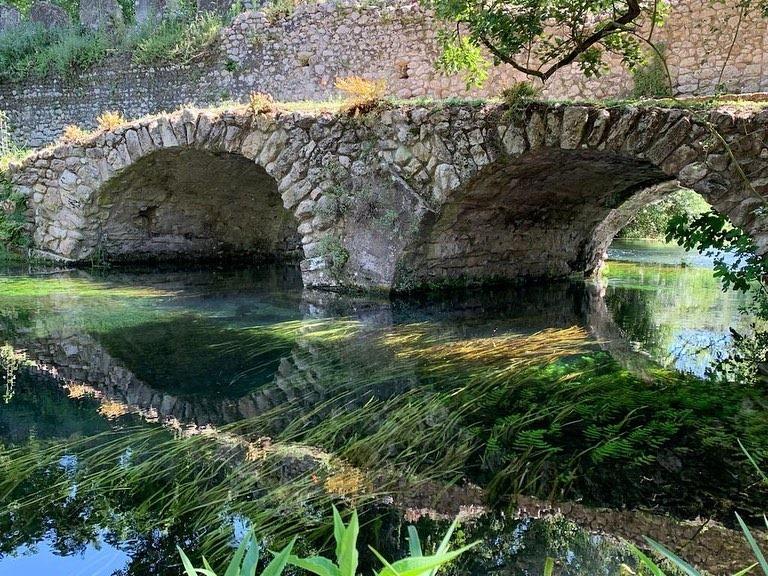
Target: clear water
x,y
574,390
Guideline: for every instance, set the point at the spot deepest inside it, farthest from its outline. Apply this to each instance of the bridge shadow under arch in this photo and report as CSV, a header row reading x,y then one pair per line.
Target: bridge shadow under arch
x,y
188,203
546,214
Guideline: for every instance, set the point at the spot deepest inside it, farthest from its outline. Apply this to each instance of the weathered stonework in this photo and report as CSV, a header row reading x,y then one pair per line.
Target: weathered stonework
x,y
299,58
401,196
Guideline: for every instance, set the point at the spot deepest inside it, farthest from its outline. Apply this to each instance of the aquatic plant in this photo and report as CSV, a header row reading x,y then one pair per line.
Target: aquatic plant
x,y
244,562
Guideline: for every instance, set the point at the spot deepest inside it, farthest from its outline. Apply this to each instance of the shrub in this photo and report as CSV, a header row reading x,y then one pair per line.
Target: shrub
x,y
362,95
245,560
73,133
179,38
261,103
30,49
109,120
13,220
650,78
519,95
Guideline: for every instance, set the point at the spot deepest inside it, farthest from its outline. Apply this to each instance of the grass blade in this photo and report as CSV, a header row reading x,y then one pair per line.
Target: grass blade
x,y
753,544
674,558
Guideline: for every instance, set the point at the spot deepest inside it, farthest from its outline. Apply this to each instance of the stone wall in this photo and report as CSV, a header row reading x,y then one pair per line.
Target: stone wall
x,y
299,57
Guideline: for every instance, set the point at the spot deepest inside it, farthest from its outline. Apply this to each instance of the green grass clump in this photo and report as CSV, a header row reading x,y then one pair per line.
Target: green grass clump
x,y
178,39
31,50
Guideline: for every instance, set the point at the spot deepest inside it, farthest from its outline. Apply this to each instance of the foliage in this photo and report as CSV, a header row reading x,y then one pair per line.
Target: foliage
x,y
31,49
519,95
180,37
244,562
334,251
362,95
539,37
650,77
73,133
653,220
246,558
261,103
109,120
739,267
13,207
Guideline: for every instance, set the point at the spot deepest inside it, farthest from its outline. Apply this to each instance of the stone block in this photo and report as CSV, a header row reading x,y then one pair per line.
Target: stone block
x,y
48,14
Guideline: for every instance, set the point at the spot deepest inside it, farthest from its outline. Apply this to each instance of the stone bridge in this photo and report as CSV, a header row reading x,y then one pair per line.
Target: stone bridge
x,y
398,197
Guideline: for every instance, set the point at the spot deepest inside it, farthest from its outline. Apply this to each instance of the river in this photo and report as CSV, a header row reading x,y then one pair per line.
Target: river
x,y
166,407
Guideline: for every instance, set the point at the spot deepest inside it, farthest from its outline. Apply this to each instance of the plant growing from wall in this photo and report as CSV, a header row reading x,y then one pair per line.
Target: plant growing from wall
x,y
109,120
32,50
13,207
335,253
651,77
261,103
362,95
539,37
180,37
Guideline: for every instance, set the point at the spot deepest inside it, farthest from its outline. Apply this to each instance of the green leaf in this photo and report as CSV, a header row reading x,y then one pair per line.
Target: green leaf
x,y
234,565
414,543
446,541
188,568
647,562
674,558
251,560
752,544
349,555
423,565
387,566
746,570
278,563
338,532
316,564
549,566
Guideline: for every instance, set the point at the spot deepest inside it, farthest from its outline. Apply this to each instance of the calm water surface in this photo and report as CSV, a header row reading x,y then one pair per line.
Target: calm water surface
x,y
169,407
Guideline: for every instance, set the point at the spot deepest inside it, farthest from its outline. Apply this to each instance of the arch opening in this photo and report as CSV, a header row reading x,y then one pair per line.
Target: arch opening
x,y
193,204
541,215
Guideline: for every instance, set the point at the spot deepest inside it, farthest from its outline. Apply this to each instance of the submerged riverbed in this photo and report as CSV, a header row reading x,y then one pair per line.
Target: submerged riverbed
x,y
171,407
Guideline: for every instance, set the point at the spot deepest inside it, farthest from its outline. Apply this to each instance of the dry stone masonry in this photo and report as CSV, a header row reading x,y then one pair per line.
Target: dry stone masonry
x,y
298,57
402,196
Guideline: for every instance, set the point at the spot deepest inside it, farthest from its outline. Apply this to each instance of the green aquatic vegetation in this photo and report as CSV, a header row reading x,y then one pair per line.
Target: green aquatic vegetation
x,y
244,562
72,287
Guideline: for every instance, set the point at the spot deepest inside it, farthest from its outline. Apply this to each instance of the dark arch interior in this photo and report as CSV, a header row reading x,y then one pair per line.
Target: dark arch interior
x,y
195,204
535,216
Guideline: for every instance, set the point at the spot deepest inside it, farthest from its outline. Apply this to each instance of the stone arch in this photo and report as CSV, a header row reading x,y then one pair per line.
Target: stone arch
x,y
194,203
541,193
196,184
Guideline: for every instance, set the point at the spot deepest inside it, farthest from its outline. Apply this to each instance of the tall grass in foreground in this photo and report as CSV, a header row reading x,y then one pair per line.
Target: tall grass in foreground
x,y
246,558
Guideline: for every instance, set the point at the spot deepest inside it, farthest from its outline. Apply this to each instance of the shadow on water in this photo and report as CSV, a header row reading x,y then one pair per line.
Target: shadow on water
x,y
449,404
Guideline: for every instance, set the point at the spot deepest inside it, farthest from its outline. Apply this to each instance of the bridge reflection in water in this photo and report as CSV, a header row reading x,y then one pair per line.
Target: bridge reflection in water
x,y
254,356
